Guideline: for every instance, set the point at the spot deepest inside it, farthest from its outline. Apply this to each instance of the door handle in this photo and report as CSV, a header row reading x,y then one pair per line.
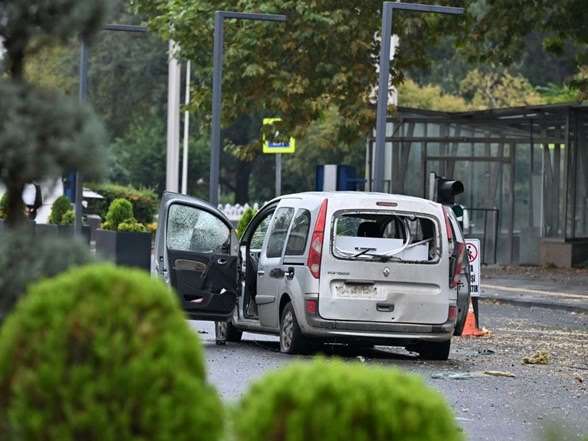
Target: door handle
x,y
290,274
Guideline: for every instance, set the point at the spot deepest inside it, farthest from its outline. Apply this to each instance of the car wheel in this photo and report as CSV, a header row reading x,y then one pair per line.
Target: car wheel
x,y
463,300
227,332
434,350
291,339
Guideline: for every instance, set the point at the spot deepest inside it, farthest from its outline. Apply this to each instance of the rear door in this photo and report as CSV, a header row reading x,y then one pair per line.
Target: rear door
x,y
408,285
197,254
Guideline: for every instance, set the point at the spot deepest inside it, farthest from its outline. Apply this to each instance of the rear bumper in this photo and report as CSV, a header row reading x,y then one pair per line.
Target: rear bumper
x,y
387,333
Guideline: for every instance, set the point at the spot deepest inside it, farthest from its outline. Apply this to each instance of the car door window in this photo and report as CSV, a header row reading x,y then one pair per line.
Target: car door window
x,y
195,230
258,235
298,234
277,238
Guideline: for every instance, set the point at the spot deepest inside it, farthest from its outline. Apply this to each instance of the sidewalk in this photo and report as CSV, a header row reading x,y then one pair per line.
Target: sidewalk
x,y
565,289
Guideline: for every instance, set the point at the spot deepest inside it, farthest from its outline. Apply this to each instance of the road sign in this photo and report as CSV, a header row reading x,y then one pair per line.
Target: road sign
x,y
474,258
275,139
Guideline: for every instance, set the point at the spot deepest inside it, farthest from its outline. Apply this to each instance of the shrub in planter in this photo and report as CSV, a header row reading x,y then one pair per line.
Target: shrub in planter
x,y
103,354
59,208
123,240
248,214
331,401
68,217
144,201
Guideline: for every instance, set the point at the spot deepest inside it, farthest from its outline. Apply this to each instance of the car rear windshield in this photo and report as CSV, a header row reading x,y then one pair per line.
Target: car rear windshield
x,y
386,237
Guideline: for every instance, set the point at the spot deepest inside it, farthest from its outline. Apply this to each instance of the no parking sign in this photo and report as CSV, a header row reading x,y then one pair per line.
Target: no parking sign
x,y
474,258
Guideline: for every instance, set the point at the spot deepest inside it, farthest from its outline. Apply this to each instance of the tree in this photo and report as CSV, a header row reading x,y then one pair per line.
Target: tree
x,y
42,133
430,97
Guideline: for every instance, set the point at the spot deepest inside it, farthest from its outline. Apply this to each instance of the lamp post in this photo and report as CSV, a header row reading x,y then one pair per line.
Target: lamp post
x,y
383,83
218,55
83,97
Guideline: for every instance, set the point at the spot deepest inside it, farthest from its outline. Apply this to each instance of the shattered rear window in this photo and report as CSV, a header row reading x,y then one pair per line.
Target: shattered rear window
x,y
377,236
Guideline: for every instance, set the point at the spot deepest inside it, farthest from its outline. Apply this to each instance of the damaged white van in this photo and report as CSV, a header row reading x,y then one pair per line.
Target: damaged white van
x,y
349,267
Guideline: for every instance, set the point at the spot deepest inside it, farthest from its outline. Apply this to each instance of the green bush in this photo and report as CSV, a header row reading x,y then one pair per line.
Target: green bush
x,y
104,354
3,206
119,211
333,401
248,214
26,258
61,206
144,201
132,226
68,218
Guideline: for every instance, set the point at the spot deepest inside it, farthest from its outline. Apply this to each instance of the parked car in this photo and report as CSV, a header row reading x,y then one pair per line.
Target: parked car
x,y
358,268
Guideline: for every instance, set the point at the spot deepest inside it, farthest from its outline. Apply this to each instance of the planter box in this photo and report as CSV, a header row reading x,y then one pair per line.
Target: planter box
x,y
125,249
564,254
62,230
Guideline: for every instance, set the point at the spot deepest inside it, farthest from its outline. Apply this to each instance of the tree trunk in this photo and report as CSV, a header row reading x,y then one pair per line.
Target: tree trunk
x,y
16,210
242,178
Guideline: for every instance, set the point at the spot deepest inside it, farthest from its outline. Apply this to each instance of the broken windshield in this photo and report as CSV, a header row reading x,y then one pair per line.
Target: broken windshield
x,y
378,236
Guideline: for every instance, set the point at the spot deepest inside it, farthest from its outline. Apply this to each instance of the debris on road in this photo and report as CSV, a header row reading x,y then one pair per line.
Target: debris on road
x,y
541,357
578,378
469,375
486,351
361,358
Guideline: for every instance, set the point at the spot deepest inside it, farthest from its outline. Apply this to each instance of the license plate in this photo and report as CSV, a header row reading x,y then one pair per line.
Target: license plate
x,y
357,291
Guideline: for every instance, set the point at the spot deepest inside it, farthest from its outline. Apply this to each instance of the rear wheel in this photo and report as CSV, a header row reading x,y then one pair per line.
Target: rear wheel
x,y
434,350
463,298
291,339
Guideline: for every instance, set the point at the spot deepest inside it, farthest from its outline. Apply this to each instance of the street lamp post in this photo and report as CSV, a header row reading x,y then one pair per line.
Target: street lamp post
x,y
84,62
383,83
218,55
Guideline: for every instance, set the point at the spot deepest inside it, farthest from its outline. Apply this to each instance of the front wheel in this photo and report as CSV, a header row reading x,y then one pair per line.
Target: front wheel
x,y
291,339
434,350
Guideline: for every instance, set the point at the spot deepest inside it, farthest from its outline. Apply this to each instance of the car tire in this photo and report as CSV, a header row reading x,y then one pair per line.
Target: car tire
x,y
291,339
463,300
227,332
434,350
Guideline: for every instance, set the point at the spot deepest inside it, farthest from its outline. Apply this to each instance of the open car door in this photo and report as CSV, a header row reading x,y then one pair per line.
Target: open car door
x,y
197,254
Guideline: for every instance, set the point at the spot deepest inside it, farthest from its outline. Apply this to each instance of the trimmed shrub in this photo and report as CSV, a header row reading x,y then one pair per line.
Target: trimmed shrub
x,y
247,216
119,211
332,401
144,201
104,354
68,218
61,206
3,206
132,226
26,258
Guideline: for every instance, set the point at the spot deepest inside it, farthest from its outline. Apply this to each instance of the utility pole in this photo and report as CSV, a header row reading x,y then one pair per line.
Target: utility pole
x,y
173,121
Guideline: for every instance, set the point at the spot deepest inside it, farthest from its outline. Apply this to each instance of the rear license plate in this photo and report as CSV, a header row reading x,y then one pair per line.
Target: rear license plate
x,y
357,291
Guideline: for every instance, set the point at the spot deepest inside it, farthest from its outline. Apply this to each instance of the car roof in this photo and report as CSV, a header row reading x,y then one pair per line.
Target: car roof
x,y
355,195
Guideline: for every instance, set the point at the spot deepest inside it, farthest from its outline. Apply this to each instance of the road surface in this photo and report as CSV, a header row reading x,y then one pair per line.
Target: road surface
x,y
487,408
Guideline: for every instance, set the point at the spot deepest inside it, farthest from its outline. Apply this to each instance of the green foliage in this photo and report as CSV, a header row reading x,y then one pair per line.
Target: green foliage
x,y
132,226
26,258
248,214
3,206
104,354
68,217
144,201
60,207
294,69
331,400
429,97
120,211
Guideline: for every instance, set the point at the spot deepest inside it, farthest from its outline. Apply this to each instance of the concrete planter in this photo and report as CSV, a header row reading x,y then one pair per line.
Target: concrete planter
x,y
125,249
62,230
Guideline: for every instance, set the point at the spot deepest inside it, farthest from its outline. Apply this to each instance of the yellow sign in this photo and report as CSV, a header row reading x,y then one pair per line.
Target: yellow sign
x,y
275,140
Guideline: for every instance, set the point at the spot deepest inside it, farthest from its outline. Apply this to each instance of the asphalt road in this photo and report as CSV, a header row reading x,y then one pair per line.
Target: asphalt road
x,y
488,408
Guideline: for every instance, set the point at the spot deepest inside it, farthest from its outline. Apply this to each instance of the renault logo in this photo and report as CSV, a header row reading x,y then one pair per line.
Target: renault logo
x,y
386,272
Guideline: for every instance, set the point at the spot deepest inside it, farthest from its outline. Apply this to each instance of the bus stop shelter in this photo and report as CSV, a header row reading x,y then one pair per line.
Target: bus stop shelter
x,y
525,171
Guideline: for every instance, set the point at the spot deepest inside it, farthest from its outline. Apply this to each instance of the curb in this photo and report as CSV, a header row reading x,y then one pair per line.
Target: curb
x,y
532,303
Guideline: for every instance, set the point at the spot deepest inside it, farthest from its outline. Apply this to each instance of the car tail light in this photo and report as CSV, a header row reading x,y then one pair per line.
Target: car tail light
x,y
457,269
311,306
316,243
452,314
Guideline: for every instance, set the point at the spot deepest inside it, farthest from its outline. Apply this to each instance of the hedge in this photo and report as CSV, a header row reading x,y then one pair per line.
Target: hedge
x,y
145,202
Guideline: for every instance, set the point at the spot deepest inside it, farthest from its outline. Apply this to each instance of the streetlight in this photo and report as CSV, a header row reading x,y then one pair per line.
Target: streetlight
x,y
84,57
382,113
218,55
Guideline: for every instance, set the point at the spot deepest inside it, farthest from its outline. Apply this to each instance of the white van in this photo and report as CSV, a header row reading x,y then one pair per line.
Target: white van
x,y
357,268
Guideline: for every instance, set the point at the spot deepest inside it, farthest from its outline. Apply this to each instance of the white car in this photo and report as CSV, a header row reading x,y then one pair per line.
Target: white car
x,y
357,268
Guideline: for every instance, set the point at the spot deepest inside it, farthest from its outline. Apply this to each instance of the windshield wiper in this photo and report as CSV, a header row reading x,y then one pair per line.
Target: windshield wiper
x,y
384,257
363,251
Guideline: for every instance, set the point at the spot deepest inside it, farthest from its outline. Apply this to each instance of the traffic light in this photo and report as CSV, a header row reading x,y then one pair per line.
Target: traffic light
x,y
447,189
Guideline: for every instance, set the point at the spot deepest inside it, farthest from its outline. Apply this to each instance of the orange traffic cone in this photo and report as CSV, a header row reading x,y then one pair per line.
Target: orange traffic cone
x,y
471,327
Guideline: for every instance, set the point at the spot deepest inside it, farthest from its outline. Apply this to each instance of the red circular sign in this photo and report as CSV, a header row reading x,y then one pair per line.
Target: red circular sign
x,y
472,252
